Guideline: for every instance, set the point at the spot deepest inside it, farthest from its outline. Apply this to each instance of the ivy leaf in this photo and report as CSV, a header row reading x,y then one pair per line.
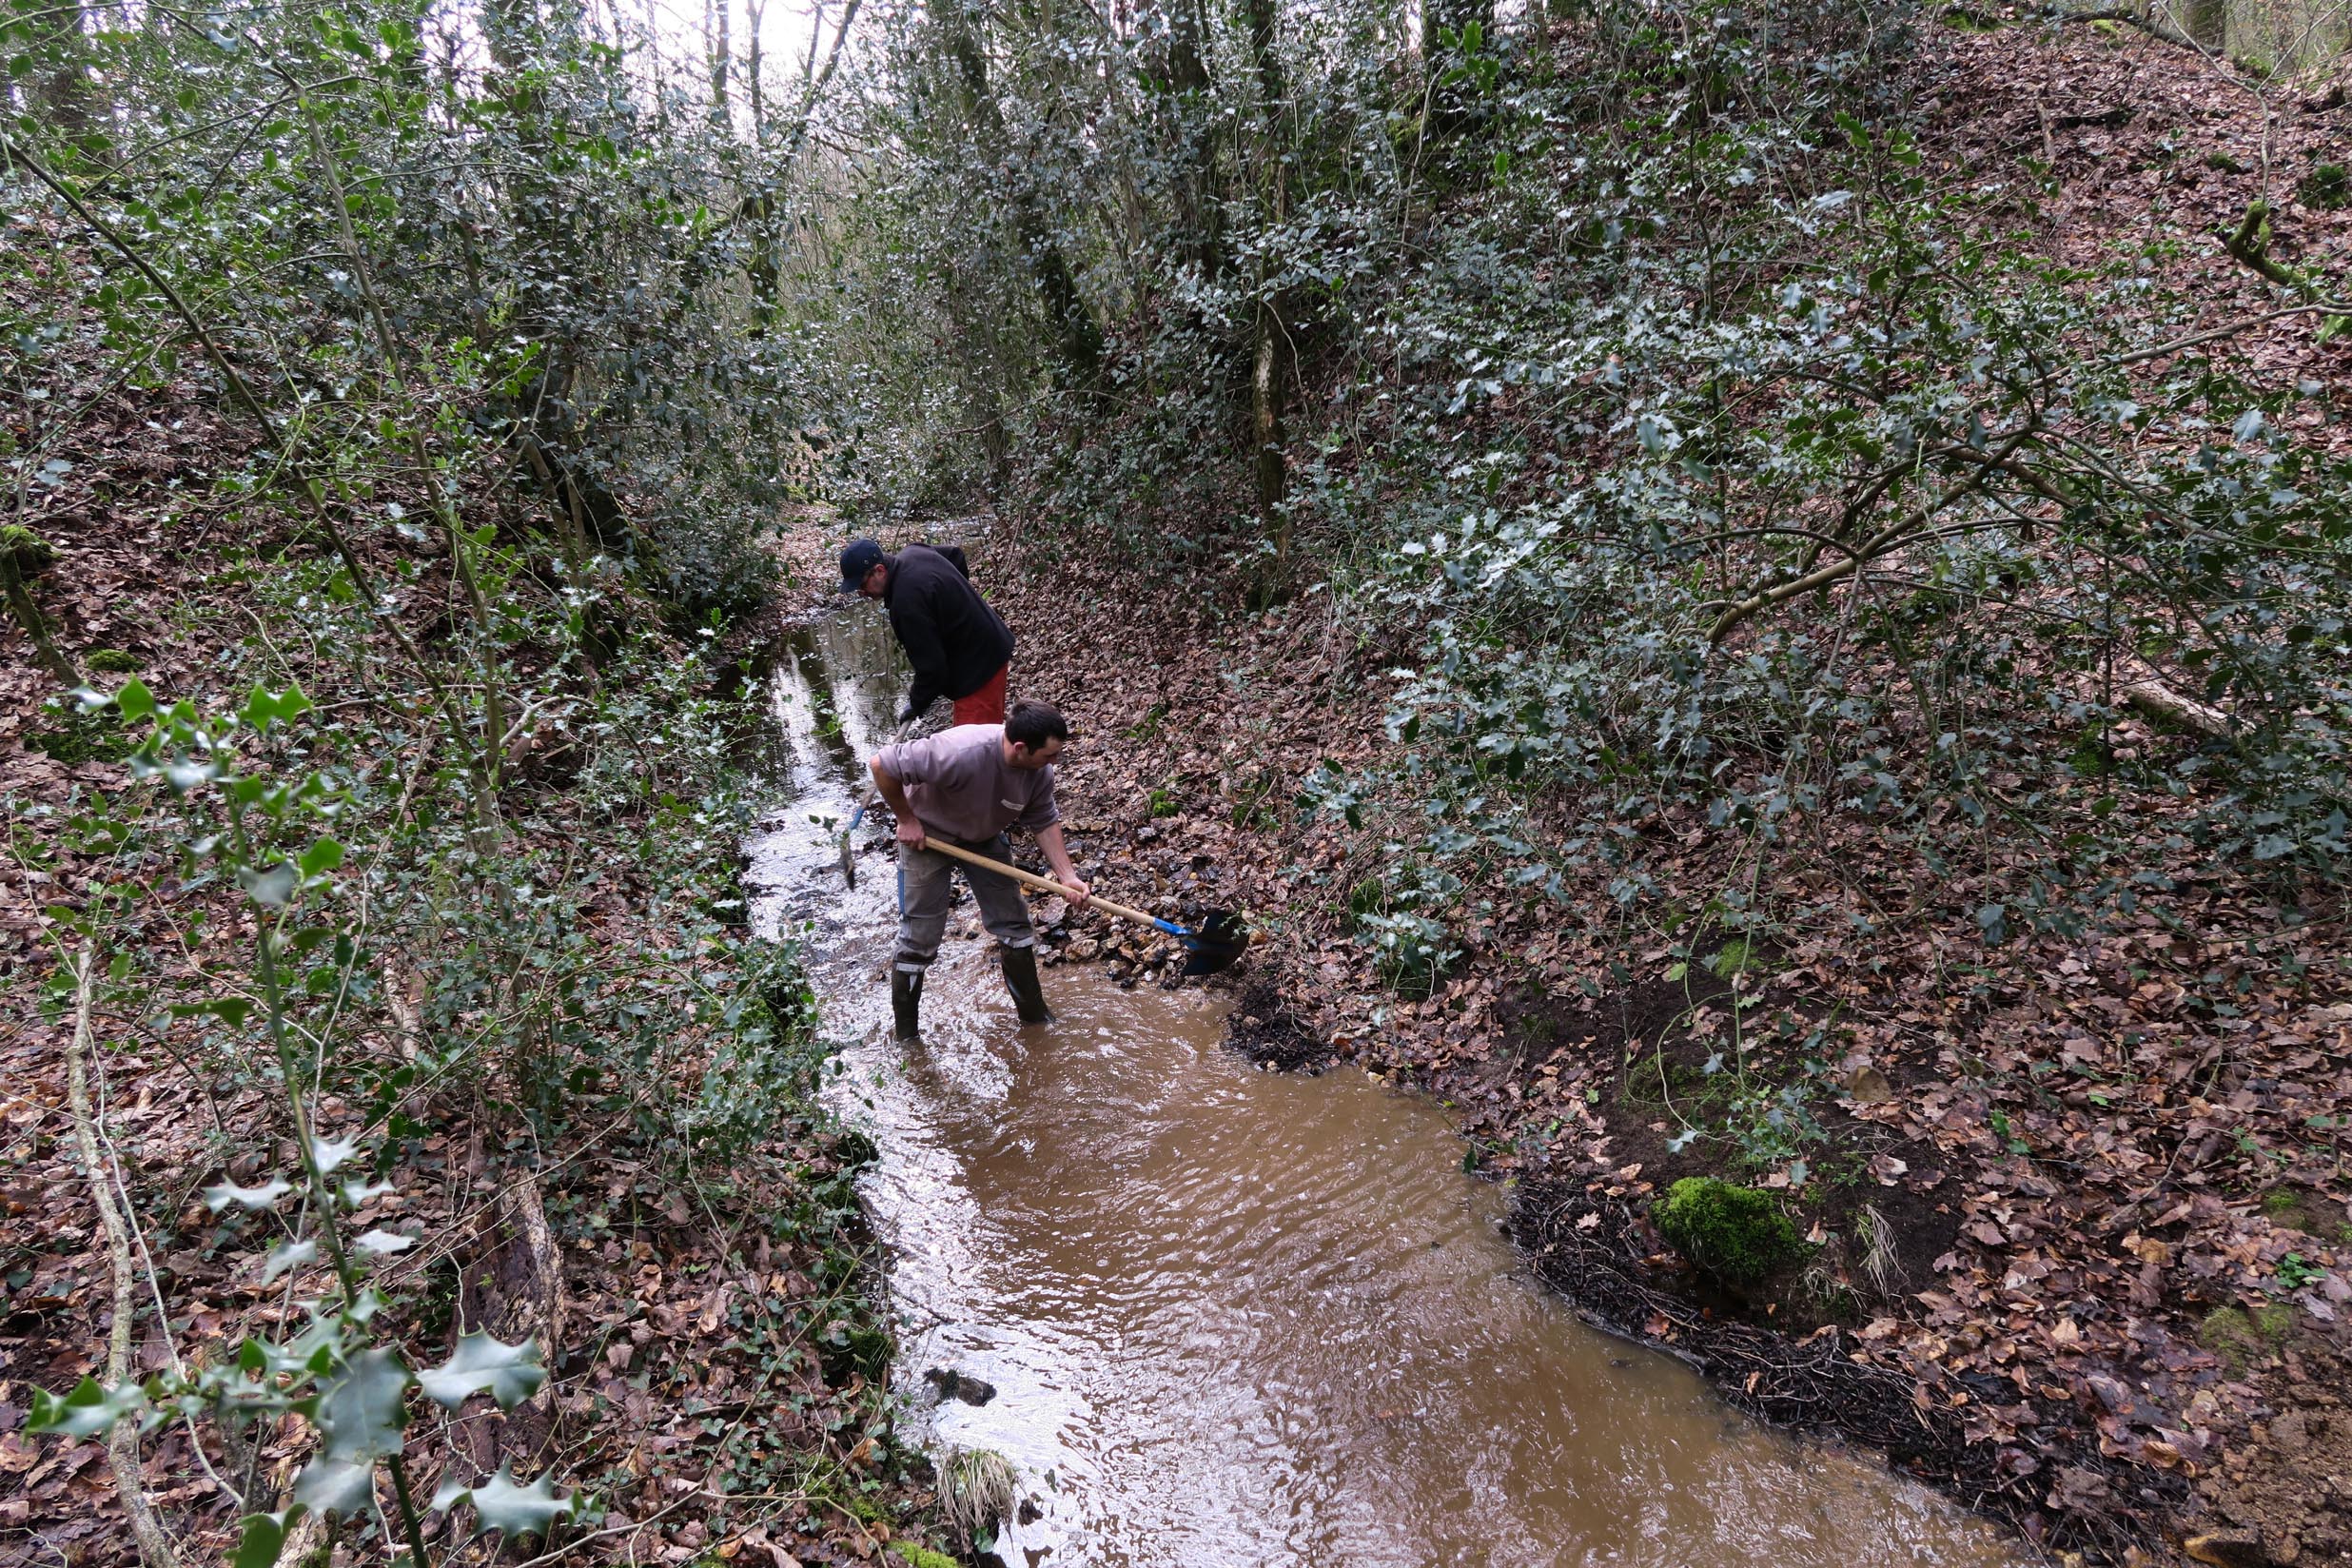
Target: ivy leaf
x,y
264,1196
503,1506
511,1372
337,1486
88,1411
359,1411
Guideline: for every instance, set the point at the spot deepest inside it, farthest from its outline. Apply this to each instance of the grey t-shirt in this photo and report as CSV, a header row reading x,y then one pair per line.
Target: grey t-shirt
x,y
960,785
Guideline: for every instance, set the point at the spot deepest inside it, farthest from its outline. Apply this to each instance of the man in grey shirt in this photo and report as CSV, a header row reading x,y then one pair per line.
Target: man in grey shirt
x,y
967,785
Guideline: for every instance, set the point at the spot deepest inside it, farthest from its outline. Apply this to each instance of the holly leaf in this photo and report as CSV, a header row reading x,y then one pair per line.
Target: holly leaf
x,y
264,1196
503,1506
329,1153
263,1538
270,885
337,1486
358,1410
512,1373
291,1255
378,1242
90,1410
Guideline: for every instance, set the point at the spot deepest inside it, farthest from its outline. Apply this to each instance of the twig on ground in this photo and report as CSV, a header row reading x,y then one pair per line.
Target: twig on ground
x,y
155,1548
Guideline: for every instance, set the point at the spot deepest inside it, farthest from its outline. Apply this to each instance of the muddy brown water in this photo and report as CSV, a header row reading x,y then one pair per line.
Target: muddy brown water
x,y
1231,1317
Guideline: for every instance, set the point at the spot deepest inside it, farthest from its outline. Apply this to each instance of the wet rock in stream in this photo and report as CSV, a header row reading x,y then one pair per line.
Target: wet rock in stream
x,y
952,1385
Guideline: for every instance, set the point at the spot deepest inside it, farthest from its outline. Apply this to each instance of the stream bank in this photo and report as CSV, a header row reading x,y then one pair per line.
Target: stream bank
x,y
2130,1288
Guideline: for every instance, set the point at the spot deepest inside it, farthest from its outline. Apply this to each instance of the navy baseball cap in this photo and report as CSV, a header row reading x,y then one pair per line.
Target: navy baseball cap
x,y
858,558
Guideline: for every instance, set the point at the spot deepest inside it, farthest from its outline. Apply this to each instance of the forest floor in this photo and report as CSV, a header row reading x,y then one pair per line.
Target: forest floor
x,y
714,1340
2079,1209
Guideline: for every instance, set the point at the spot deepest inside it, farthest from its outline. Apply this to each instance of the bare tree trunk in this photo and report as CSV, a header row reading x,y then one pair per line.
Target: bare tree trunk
x,y
27,612
716,17
2285,37
756,13
513,1289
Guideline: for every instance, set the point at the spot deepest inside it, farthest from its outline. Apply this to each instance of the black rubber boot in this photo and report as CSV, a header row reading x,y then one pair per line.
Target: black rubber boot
x,y
906,998
1029,998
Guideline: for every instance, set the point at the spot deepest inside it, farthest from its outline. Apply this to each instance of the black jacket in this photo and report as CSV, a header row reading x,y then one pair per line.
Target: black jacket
x,y
952,638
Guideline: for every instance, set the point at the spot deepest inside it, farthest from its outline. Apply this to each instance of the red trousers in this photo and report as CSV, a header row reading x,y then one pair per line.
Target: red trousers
x,y
987,705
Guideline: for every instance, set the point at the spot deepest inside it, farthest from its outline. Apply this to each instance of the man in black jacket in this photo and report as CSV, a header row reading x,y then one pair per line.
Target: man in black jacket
x,y
958,646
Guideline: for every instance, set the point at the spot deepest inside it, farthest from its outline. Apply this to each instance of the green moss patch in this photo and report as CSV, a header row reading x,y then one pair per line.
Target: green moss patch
x,y
1735,1233
923,1556
2241,1337
113,661
2327,186
27,551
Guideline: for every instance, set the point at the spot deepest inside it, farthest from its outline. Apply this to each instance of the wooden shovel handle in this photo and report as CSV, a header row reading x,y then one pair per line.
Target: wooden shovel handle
x,y
1043,884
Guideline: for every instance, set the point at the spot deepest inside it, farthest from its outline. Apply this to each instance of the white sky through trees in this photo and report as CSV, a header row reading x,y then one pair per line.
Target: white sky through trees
x,y
680,31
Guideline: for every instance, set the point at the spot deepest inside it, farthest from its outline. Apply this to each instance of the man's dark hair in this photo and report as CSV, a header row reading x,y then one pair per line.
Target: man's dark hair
x,y
1032,724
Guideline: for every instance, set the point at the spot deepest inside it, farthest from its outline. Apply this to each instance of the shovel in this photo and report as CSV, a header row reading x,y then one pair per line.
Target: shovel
x,y
1214,947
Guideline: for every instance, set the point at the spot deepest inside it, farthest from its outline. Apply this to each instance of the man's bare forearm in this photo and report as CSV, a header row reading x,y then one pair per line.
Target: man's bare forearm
x,y
895,793
1057,852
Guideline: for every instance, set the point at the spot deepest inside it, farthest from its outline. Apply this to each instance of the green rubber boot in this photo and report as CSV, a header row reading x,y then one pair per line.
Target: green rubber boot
x,y
1029,998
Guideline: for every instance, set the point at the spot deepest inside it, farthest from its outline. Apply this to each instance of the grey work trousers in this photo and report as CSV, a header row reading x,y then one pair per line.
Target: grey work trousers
x,y
923,894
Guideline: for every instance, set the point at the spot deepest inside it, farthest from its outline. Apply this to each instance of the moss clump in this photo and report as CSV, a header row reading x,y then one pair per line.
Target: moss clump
x,y
78,737
2241,1337
923,1556
113,661
2329,187
1735,1233
26,550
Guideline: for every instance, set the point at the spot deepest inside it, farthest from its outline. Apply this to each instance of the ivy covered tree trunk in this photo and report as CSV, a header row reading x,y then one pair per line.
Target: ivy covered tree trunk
x,y
1270,357
1452,29
1441,17
1077,338
1190,95
61,60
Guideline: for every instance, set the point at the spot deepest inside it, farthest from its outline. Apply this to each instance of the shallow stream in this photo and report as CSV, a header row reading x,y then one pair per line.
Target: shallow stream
x,y
1231,1317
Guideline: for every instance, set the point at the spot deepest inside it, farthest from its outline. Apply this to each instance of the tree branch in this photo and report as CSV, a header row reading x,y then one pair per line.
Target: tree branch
x,y
2132,16
1887,539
